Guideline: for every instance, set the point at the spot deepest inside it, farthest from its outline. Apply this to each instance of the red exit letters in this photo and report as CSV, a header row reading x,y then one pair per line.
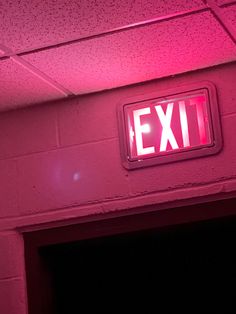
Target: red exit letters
x,y
192,122
156,128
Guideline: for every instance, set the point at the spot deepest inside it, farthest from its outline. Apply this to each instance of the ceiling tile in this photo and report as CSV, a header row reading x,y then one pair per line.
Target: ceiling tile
x,y
230,15
28,24
19,88
167,48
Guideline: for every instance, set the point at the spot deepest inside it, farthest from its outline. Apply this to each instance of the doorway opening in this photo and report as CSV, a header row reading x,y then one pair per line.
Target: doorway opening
x,y
143,263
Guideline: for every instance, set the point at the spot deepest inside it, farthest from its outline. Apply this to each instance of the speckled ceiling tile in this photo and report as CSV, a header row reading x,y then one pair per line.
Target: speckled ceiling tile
x,y
19,88
229,14
168,48
27,24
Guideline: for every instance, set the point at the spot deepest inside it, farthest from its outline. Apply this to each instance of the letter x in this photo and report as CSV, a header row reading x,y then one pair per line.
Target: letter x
x,y
167,134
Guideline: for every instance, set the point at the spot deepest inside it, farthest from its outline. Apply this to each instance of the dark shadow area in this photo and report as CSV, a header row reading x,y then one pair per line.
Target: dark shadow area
x,y
189,268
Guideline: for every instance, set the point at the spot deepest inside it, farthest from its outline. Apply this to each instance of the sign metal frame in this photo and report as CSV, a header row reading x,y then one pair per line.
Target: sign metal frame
x,y
172,156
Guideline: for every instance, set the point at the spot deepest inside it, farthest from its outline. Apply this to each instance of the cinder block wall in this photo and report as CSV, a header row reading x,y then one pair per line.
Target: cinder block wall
x,y
62,161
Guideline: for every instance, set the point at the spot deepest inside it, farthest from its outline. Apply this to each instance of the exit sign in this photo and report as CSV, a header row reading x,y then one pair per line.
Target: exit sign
x,y
169,126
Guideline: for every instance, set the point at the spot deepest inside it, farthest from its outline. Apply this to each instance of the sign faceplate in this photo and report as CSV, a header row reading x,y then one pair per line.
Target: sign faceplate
x,y
175,125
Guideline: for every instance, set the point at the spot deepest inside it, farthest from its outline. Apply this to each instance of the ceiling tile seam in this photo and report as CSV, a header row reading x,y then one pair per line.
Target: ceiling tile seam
x,y
36,72
121,29
216,11
227,4
42,76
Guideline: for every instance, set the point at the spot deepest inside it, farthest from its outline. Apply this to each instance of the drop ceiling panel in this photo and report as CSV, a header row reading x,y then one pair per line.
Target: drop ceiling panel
x,y
167,48
230,15
19,88
28,24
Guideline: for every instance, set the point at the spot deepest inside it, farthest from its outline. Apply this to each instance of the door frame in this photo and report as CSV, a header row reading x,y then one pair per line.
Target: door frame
x,y
39,285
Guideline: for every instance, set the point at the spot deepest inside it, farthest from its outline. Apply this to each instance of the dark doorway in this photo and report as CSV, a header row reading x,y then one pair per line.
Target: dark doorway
x,y
188,267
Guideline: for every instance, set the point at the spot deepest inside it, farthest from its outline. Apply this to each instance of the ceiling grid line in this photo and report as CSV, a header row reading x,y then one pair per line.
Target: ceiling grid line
x,y
217,12
36,72
227,4
108,32
41,75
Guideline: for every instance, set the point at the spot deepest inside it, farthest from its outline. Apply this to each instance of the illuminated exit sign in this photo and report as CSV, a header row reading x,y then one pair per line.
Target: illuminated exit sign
x,y
174,125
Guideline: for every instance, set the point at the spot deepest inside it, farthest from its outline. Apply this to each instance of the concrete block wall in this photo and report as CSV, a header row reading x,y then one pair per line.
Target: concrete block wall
x,y
61,161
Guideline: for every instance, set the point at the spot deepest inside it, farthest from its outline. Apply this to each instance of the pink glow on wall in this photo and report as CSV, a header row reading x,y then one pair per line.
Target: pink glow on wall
x,y
46,182
167,125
